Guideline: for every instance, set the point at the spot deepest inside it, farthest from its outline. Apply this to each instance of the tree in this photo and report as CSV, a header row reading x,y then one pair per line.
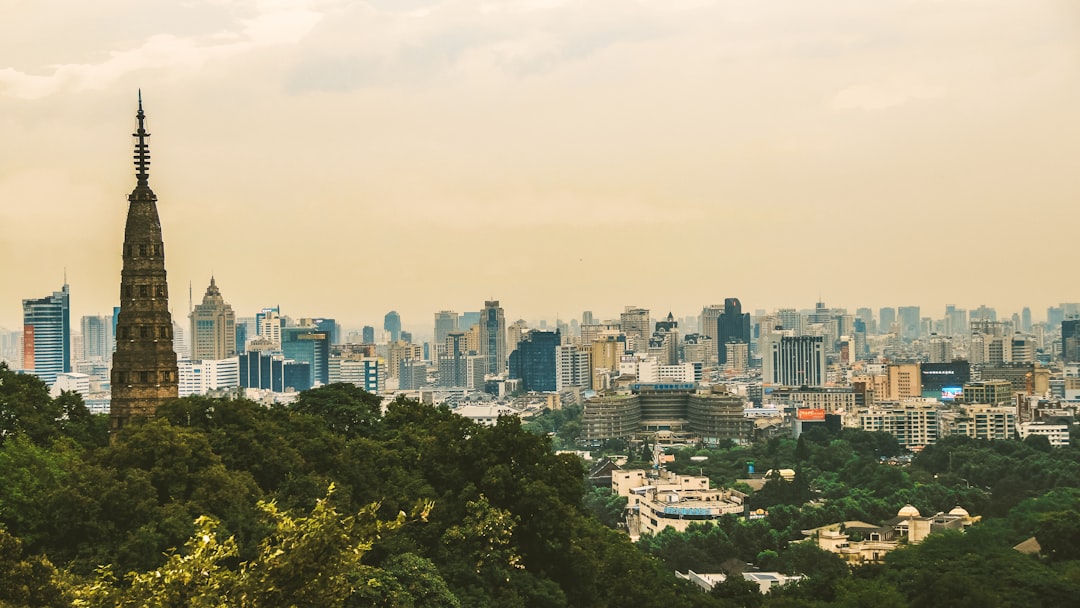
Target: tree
x,y
346,408
26,581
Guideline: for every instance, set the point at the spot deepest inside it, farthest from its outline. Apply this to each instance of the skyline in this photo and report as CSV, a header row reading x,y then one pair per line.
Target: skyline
x,y
345,159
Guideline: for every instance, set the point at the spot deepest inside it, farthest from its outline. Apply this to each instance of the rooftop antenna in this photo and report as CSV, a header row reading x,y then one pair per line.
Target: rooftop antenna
x,y
190,298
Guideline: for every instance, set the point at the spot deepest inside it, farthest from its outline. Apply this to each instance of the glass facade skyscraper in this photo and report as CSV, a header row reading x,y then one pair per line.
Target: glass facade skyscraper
x,y
47,335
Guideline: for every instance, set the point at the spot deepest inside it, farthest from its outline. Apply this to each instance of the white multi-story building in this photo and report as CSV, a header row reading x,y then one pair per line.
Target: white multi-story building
x,y
201,377
573,367
1058,434
73,382
913,423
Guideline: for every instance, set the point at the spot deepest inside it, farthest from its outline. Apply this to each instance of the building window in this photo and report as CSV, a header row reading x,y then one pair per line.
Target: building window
x,y
144,291
144,332
144,377
142,250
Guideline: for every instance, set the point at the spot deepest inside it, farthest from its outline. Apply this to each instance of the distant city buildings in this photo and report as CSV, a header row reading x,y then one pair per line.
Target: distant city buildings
x,y
213,327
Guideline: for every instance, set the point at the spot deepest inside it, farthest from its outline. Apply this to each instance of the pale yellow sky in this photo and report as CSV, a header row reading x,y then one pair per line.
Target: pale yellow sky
x,y
348,158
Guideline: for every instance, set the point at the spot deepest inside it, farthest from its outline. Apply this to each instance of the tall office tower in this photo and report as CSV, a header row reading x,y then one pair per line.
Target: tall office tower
x,y
1070,340
468,320
635,324
909,322
330,327
866,315
957,320
392,325
535,360
47,335
180,342
1054,316
794,361
268,322
574,367
587,318
514,334
733,326
446,322
213,327
710,316
1025,320
144,371
97,338
790,319
453,364
984,313
859,329
367,334
308,345
941,349
886,320
493,336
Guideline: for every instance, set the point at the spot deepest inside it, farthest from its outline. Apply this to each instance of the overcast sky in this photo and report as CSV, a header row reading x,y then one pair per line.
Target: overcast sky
x,y
348,158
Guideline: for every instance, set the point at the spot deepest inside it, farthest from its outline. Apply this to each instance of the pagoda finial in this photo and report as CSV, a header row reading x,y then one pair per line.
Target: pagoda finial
x,y
142,149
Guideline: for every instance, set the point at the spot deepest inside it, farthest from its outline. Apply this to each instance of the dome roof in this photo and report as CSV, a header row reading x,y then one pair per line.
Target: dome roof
x,y
908,511
959,512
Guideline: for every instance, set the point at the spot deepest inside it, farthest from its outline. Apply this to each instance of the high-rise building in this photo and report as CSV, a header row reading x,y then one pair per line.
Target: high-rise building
x,y
941,349
1025,320
392,325
493,336
733,326
97,338
268,323
308,345
574,367
1070,340
535,360
587,318
213,327
144,371
634,322
710,316
794,361
446,322
909,322
367,334
886,320
47,335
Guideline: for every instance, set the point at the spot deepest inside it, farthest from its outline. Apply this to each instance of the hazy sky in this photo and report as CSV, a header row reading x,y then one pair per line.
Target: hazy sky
x,y
348,158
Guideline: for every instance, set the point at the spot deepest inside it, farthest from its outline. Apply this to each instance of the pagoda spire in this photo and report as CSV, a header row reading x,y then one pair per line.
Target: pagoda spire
x,y
142,149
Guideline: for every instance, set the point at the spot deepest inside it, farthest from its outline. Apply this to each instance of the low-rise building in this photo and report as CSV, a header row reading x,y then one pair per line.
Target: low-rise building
x,y
661,499
859,542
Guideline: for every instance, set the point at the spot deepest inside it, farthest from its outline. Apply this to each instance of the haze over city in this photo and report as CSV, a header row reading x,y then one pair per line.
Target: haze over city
x,y
344,159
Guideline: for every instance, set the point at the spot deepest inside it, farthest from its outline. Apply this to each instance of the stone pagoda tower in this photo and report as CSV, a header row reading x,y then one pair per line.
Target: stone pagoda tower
x,y
144,372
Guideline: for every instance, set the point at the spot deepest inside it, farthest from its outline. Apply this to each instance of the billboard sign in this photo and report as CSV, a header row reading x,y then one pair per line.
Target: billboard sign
x,y
810,413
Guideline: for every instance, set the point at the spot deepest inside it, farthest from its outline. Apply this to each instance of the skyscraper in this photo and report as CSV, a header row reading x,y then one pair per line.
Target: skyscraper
x,y
1070,340
886,320
493,336
97,338
446,322
794,361
47,335
392,325
733,325
213,327
144,372
909,322
535,361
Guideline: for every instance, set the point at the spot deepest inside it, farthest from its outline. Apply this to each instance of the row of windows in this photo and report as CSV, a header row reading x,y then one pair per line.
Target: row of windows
x,y
145,331
155,251
144,291
144,377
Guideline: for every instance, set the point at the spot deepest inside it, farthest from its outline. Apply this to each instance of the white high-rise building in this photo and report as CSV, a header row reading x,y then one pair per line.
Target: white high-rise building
x,y
794,361
201,377
574,367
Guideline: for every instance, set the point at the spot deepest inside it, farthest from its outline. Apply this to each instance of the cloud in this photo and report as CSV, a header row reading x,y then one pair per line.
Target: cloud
x,y
272,24
896,91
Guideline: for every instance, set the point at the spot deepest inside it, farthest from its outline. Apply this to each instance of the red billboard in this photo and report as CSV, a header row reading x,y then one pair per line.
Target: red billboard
x,y
810,413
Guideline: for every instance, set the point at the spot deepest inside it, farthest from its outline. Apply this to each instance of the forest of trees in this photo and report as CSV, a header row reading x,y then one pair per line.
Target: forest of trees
x,y
331,502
